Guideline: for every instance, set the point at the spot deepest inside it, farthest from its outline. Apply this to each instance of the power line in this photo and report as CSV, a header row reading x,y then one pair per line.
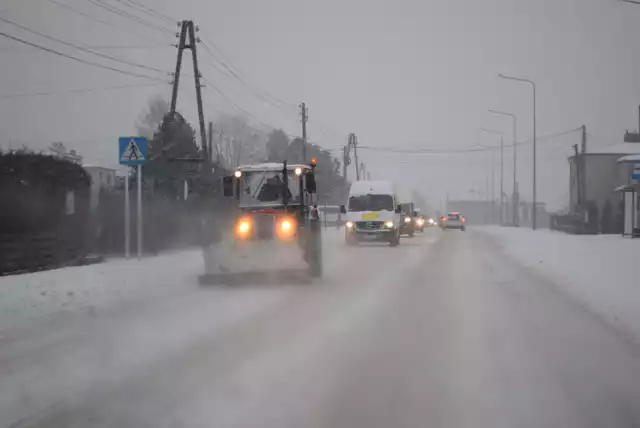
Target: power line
x,y
234,71
80,60
125,14
107,23
246,112
76,91
164,46
148,10
401,150
83,49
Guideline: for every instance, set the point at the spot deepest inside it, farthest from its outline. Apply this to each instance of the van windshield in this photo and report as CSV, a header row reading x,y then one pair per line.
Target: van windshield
x,y
371,203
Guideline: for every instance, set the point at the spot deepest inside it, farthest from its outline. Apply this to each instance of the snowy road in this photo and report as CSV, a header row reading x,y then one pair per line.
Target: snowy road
x,y
442,331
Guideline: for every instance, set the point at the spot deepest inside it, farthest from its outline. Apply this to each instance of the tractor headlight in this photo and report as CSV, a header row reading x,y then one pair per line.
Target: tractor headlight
x,y
238,174
243,228
407,219
388,224
286,228
298,171
349,224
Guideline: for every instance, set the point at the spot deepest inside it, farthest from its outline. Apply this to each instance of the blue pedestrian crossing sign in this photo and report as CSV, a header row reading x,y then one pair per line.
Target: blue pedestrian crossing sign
x,y
132,150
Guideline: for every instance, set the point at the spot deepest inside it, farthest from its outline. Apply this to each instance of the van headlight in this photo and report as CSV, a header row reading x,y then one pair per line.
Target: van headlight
x,y
388,224
349,224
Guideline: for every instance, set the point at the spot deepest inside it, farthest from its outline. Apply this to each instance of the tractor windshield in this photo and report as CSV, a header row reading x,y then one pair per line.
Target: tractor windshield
x,y
267,188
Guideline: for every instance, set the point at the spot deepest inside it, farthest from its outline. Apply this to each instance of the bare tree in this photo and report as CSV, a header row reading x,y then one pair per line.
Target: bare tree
x,y
149,120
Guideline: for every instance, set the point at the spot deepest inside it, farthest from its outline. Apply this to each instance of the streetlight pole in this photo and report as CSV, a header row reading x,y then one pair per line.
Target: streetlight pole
x,y
533,86
493,131
515,143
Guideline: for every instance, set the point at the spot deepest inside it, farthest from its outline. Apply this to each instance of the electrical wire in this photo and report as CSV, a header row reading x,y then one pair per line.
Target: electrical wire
x,y
77,91
232,70
80,60
83,49
126,15
401,150
119,47
148,10
236,106
107,23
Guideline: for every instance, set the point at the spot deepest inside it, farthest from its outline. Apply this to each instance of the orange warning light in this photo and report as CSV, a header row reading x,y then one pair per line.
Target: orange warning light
x,y
313,160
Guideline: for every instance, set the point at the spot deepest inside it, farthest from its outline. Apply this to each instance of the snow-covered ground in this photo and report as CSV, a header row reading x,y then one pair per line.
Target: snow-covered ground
x,y
61,293
58,293
600,271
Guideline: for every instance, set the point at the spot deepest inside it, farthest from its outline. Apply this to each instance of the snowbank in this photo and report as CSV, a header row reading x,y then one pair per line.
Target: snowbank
x,y
602,272
59,293
34,296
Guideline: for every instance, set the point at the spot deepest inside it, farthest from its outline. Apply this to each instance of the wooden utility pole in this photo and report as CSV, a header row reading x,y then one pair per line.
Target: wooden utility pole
x,y
355,155
583,165
578,182
188,40
210,141
305,117
346,160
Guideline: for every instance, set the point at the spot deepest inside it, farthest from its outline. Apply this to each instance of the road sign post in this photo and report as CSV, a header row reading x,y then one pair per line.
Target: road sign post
x,y
139,222
127,215
133,151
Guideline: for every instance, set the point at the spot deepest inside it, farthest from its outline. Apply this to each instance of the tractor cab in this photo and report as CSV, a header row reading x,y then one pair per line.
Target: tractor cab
x,y
269,193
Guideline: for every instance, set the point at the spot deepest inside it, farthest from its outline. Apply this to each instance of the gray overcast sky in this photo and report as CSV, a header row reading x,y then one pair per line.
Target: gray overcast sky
x,y
407,73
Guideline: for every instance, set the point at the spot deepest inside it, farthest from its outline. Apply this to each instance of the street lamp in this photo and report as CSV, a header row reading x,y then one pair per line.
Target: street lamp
x,y
515,136
493,131
533,86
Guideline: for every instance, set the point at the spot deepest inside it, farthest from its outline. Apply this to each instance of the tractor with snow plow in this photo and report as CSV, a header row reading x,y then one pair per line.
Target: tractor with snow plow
x,y
276,230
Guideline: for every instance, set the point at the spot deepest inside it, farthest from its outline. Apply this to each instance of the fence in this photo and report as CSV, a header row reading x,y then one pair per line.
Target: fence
x,y
30,253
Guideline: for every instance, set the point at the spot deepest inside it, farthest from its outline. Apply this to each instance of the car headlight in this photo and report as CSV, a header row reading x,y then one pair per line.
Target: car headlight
x,y
407,220
349,224
431,221
388,224
420,222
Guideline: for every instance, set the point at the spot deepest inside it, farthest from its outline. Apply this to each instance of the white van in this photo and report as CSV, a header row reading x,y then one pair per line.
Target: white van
x,y
372,213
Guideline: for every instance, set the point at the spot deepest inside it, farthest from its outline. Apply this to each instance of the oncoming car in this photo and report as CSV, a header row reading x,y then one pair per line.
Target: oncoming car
x,y
453,220
372,213
408,219
419,221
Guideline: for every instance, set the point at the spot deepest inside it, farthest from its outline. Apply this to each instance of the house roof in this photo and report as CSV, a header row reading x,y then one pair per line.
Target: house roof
x,y
271,166
630,158
620,149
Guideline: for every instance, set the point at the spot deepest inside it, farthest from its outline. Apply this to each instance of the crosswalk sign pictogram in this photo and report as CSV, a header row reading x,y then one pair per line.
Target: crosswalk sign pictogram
x,y
133,150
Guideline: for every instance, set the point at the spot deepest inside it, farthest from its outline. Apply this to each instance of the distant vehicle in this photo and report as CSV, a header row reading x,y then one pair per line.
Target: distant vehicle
x,y
372,213
419,221
453,220
407,225
329,215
